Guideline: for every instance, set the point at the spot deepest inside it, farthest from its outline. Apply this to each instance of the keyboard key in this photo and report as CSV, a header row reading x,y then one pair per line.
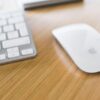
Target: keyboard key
x,y
2,56
13,52
15,20
4,16
23,32
12,35
22,29
0,46
3,22
16,42
20,25
8,28
2,37
16,14
0,30
27,51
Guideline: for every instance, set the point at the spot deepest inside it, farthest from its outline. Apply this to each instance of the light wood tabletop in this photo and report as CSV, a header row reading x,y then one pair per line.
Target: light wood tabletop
x,y
52,75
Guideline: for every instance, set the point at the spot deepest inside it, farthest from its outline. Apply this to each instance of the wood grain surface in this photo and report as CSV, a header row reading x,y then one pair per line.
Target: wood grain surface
x,y
52,75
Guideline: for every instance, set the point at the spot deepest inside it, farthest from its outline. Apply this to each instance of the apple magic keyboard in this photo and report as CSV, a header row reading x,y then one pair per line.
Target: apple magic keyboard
x,y
15,38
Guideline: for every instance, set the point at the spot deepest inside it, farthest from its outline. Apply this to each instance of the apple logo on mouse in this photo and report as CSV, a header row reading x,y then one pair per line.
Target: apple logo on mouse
x,y
92,51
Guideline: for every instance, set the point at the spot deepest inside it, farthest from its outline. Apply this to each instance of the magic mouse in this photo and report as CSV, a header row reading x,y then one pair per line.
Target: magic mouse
x,y
82,43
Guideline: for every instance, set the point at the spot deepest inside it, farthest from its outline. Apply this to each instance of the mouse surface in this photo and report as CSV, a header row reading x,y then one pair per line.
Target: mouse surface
x,y
82,43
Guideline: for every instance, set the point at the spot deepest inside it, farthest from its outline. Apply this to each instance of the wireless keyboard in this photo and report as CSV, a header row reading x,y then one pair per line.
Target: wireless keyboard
x,y
15,38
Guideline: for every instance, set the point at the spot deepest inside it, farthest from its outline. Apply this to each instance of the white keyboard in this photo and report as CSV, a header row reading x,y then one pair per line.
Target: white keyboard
x,y
15,38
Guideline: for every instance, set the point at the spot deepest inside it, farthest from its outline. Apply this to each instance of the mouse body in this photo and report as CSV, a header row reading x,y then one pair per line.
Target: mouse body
x,y
82,43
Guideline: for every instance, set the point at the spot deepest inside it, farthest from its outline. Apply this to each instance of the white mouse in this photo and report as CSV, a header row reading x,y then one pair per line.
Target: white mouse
x,y
82,43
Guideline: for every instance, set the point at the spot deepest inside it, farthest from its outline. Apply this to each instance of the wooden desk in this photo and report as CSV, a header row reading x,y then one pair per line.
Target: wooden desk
x,y
52,75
